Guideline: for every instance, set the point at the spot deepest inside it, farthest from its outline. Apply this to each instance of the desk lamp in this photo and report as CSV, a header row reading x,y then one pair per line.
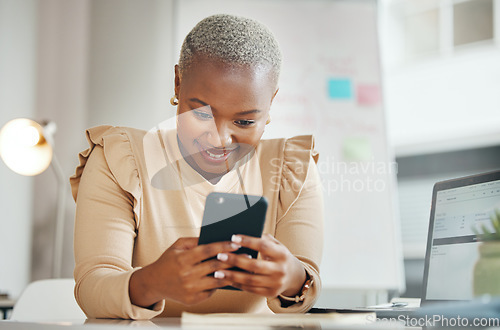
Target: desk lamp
x,y
26,147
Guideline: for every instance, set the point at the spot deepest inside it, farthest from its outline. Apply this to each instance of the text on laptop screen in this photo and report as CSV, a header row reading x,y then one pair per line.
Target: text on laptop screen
x,y
454,249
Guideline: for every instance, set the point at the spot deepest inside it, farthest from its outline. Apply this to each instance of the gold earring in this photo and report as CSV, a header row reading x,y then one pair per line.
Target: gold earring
x,y
174,100
268,120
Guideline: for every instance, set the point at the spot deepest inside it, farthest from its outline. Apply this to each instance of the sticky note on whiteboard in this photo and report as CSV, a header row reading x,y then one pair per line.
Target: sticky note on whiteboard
x,y
356,148
368,95
339,89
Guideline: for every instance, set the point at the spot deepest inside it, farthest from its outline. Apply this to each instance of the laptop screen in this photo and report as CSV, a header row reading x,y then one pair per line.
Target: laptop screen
x,y
452,251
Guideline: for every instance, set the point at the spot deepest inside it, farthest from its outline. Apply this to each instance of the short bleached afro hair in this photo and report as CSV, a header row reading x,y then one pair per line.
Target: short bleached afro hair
x,y
232,40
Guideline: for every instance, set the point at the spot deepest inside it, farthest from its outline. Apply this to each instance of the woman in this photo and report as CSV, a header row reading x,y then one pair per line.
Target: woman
x,y
136,248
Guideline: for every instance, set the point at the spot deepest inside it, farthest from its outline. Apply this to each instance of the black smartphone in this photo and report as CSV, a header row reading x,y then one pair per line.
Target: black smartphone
x,y
228,214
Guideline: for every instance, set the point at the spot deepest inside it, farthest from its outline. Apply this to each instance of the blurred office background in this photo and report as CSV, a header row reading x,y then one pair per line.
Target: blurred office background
x,y
441,64
83,63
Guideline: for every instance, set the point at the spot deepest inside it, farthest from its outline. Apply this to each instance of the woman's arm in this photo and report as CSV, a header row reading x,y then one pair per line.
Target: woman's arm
x,y
105,230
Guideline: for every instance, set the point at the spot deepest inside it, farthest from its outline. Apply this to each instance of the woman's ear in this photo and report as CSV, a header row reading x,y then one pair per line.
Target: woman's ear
x,y
177,80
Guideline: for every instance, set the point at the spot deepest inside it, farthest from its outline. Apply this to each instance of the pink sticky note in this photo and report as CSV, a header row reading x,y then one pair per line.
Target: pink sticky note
x,y
368,95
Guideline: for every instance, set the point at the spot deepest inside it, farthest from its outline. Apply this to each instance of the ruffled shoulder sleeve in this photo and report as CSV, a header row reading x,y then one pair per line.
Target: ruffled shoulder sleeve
x,y
118,155
297,155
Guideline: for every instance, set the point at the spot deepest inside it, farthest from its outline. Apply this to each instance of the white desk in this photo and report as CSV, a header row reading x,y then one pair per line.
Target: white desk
x,y
175,323
171,323
168,323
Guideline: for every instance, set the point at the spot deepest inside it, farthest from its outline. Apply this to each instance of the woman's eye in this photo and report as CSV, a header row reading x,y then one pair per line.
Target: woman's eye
x,y
202,115
243,122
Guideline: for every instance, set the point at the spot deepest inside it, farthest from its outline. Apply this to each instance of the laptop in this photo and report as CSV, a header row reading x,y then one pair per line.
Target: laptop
x,y
458,206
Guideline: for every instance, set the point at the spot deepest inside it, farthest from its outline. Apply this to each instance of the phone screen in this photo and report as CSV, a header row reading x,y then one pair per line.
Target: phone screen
x,y
228,214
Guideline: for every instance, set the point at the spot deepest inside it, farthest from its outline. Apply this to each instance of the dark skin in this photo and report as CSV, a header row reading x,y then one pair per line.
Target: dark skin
x,y
222,114
223,110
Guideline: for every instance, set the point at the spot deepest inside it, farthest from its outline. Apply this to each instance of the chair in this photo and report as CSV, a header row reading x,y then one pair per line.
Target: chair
x,y
48,300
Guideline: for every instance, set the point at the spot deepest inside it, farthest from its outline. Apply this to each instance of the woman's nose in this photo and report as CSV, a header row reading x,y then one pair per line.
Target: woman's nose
x,y
221,136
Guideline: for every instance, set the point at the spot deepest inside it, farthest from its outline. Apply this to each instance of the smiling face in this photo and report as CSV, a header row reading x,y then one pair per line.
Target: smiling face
x,y
222,113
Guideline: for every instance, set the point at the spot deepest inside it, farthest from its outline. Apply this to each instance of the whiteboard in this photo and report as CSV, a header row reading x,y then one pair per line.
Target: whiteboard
x,y
330,86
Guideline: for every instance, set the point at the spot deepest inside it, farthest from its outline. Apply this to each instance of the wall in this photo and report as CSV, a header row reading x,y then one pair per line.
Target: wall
x,y
444,104
60,97
444,100
131,64
17,98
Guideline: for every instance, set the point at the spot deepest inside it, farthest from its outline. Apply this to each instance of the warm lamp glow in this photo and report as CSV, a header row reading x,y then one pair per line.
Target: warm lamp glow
x,y
23,147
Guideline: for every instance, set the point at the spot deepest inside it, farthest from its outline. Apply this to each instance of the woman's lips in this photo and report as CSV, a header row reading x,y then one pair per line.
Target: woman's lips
x,y
215,155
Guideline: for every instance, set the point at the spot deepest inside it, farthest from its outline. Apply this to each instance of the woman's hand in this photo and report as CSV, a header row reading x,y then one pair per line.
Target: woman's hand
x,y
181,273
278,272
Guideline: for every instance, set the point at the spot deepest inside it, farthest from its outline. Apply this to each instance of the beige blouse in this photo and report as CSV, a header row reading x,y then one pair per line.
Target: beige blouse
x,y
135,196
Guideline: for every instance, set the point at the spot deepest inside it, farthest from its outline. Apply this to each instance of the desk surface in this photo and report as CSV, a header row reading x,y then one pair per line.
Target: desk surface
x,y
362,321
170,323
175,323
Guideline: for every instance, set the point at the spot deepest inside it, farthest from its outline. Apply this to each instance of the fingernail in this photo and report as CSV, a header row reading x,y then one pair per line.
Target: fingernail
x,y
219,274
235,246
236,239
248,256
222,256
